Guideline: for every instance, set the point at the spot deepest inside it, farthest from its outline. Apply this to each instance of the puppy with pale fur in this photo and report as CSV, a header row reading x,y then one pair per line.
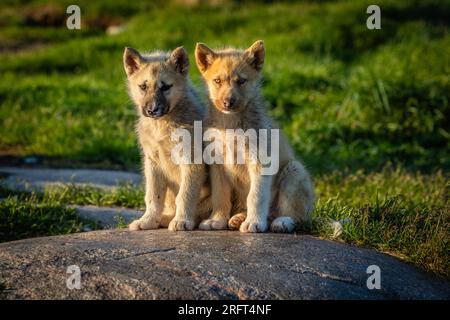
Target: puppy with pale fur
x,y
175,194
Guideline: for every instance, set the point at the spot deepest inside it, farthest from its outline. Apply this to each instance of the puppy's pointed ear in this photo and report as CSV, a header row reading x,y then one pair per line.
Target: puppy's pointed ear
x,y
180,60
255,55
132,61
204,56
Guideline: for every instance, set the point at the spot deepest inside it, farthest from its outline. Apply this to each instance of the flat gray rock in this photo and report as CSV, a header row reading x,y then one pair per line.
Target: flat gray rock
x,y
158,264
37,179
107,217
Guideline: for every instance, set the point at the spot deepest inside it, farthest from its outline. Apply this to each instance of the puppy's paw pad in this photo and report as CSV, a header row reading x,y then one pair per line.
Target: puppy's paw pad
x,y
181,225
235,221
134,226
144,224
283,225
253,226
213,224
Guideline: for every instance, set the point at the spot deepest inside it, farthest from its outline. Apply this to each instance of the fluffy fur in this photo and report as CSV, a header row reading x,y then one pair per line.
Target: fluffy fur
x,y
233,80
175,195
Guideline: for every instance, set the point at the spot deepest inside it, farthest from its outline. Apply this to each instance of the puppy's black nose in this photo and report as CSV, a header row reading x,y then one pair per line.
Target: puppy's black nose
x,y
228,102
153,110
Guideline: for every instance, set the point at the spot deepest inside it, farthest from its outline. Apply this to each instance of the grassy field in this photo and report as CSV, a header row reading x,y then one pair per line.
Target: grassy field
x,y
365,109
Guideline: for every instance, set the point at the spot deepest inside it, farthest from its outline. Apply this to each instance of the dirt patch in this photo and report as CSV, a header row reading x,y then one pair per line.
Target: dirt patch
x,y
38,179
47,15
32,17
102,22
43,161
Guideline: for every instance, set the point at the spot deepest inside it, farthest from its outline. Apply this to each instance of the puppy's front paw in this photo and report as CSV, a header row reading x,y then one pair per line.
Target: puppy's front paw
x,y
253,226
181,225
214,224
283,225
235,221
144,223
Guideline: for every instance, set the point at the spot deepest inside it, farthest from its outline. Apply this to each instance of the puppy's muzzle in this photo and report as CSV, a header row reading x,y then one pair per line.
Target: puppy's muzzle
x,y
154,110
229,103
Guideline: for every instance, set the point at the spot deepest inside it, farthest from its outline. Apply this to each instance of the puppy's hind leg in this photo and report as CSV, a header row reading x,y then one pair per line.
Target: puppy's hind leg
x,y
204,209
169,209
220,201
238,213
192,179
295,198
236,220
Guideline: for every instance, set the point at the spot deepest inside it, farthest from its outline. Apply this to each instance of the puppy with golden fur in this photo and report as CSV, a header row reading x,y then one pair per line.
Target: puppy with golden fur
x,y
233,81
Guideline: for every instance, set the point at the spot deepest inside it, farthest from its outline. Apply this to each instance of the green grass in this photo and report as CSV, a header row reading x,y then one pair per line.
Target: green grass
x,y
346,96
366,110
405,214
124,195
29,216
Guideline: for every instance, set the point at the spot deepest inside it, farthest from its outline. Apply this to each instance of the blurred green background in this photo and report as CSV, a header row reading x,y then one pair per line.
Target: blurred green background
x,y
367,110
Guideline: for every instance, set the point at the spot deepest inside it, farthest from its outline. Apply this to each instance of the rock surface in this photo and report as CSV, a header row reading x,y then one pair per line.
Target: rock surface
x,y
158,264
29,179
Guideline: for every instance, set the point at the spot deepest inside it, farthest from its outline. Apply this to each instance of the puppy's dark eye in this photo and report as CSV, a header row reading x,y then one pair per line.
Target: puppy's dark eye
x,y
218,81
165,86
241,81
143,86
